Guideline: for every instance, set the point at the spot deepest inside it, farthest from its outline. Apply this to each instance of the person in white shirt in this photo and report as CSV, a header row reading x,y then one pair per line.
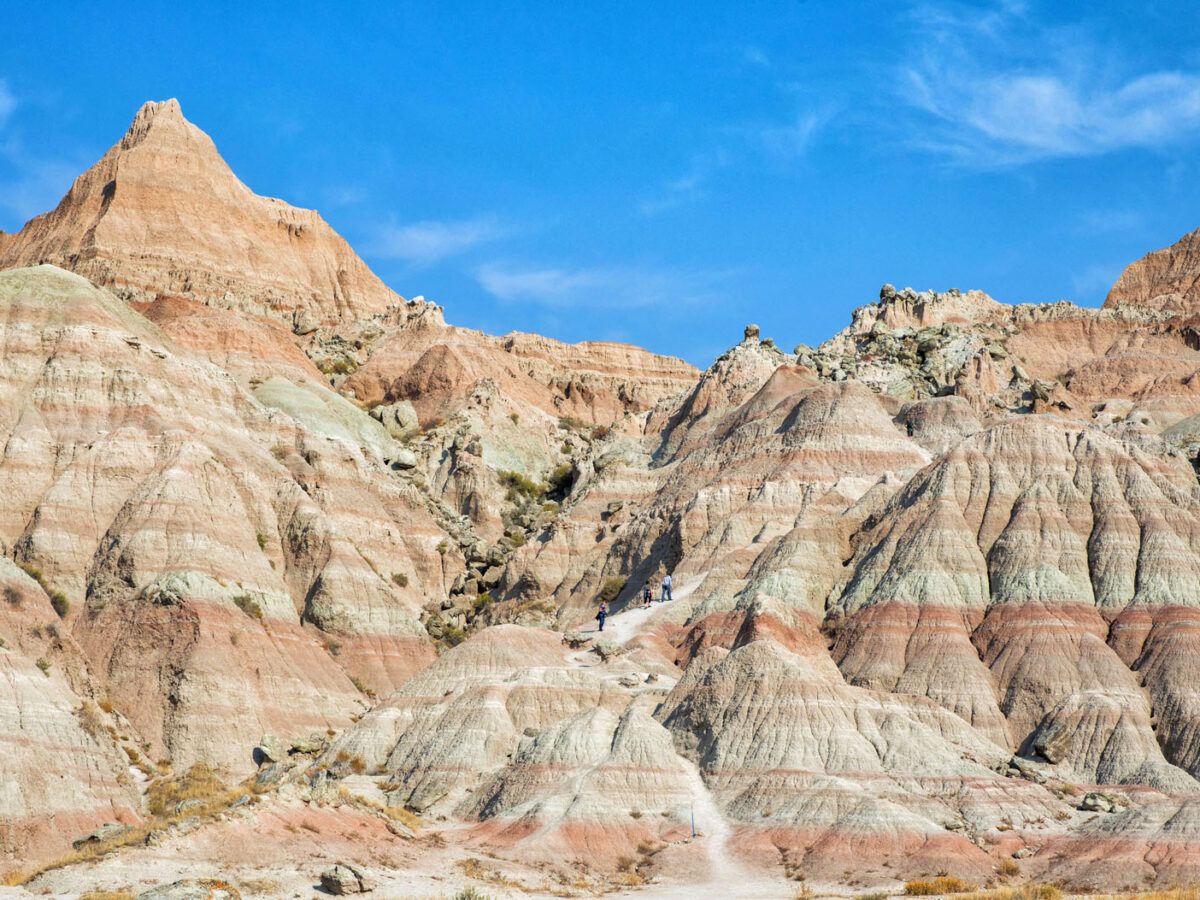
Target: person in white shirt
x,y
666,588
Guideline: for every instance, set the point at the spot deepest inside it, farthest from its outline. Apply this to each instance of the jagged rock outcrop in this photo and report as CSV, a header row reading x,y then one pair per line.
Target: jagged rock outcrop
x,y
1167,279
161,214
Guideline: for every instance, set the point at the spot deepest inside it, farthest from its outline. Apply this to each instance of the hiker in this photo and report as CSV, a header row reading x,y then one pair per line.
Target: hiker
x,y
666,588
647,595
602,615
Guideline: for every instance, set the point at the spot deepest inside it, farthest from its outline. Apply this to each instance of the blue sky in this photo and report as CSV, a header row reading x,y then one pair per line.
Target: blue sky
x,y
655,173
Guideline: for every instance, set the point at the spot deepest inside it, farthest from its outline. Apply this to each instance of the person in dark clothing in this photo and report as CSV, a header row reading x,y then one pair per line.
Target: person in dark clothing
x,y
602,615
647,595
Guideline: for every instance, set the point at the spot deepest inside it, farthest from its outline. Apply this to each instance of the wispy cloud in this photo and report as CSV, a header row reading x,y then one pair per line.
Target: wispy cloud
x,y
616,287
793,139
424,243
1001,88
689,187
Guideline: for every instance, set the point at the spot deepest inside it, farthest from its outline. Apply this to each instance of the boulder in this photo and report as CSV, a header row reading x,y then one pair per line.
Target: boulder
x,y
346,878
400,419
271,748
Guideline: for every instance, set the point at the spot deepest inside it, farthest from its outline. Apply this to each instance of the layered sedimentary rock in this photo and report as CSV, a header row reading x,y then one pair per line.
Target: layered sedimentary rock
x,y
199,538
162,214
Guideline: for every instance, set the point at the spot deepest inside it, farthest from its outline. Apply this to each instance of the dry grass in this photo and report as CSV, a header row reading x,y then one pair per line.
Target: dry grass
x,y
108,895
1024,892
199,782
943,884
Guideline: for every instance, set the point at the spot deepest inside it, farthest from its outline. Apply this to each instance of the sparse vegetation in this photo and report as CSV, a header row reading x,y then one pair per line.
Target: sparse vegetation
x,y
520,486
165,795
107,895
249,606
1050,892
1008,868
569,423
611,589
932,887
600,432
452,635
261,537
43,664
400,579
443,546
12,596
361,687
516,418
58,600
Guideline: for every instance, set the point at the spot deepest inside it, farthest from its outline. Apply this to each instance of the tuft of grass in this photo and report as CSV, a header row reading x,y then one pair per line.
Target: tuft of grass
x,y
108,895
361,687
43,664
249,606
569,423
261,537
400,579
943,884
443,546
12,596
516,418
58,600
452,635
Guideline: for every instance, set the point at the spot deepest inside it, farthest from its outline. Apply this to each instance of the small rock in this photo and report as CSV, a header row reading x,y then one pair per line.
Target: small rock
x,y
629,680
402,459
193,889
346,878
751,333
492,576
1023,853
105,832
314,743
303,322
1103,801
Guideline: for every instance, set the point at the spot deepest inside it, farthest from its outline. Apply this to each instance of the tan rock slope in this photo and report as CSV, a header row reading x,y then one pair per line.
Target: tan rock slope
x,y
1167,279
162,214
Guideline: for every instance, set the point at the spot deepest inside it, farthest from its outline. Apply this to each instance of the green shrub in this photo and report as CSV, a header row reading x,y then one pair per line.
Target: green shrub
x,y
521,486
60,603
453,636
249,606
569,423
43,664
612,588
400,579
262,540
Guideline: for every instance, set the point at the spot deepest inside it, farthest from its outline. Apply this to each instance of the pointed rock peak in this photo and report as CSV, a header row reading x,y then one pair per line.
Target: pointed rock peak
x,y
159,115
162,214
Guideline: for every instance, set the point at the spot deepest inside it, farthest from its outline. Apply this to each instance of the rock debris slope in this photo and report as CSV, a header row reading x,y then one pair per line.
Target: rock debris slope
x,y
936,580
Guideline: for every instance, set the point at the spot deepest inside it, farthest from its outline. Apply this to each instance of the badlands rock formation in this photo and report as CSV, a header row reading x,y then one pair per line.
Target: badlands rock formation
x,y
141,222
936,580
